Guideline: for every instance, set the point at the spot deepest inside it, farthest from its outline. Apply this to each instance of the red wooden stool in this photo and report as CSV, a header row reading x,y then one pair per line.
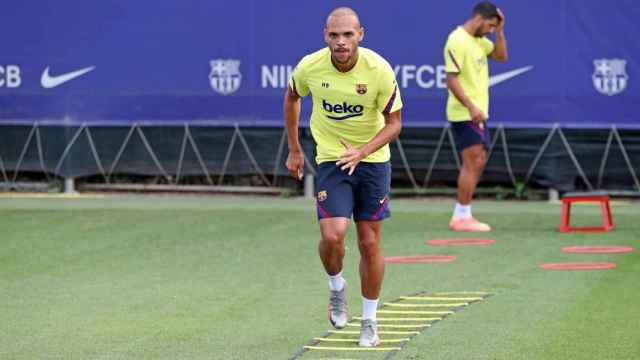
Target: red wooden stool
x,y
605,212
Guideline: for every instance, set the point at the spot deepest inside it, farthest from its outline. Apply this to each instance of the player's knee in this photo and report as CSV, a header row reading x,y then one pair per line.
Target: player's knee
x,y
476,161
333,239
368,245
480,161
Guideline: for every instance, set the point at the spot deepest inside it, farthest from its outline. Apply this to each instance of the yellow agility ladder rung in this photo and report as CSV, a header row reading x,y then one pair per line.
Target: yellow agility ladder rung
x,y
415,312
383,332
404,319
385,326
435,298
388,341
353,348
425,305
454,293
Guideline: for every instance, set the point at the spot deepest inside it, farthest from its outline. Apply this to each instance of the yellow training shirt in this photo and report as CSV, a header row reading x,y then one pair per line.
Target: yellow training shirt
x,y
349,105
466,55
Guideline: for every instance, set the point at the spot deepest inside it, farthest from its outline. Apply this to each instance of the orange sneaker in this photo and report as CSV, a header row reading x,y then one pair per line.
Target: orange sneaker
x,y
470,224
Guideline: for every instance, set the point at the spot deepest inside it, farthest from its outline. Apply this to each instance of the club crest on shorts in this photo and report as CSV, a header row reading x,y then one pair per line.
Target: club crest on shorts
x,y
361,89
225,76
610,76
322,195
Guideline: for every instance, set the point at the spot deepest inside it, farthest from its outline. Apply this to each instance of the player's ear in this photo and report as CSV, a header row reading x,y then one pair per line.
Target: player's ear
x,y
360,34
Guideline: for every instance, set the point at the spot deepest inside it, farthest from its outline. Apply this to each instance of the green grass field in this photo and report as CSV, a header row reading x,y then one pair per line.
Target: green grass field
x,y
239,278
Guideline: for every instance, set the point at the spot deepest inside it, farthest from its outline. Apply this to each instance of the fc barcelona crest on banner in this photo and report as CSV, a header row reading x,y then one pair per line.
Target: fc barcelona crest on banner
x,y
361,89
225,76
610,76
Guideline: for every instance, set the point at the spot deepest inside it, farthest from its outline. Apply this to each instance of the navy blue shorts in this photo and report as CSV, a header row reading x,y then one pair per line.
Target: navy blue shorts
x,y
466,133
364,194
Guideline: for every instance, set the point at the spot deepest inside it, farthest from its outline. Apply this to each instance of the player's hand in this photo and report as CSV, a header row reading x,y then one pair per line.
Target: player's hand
x,y
295,164
477,116
501,20
350,158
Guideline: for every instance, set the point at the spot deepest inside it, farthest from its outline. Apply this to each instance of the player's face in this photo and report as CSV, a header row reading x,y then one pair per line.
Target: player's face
x,y
343,34
487,26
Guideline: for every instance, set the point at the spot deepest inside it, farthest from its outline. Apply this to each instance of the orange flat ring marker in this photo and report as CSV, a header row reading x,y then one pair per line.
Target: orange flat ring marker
x,y
460,242
578,266
420,259
597,249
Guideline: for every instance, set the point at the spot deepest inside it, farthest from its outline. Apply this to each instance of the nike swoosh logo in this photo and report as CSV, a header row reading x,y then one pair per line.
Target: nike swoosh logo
x,y
344,117
49,82
497,79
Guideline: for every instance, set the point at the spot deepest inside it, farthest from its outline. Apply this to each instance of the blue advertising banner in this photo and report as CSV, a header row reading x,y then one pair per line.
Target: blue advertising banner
x,y
573,62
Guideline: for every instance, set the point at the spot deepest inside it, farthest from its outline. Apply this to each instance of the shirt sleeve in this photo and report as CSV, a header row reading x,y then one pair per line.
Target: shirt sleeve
x,y
453,57
298,82
487,45
388,99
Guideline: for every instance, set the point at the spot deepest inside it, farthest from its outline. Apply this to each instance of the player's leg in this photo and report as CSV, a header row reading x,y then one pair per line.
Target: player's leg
x,y
331,247
371,207
473,162
371,275
472,142
334,203
331,250
371,259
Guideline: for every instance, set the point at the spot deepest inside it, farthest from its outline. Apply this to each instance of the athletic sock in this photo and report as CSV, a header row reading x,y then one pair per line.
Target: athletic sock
x,y
336,282
462,211
369,308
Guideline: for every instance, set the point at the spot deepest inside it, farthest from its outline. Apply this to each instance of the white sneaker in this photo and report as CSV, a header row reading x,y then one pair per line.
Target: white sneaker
x,y
369,333
338,315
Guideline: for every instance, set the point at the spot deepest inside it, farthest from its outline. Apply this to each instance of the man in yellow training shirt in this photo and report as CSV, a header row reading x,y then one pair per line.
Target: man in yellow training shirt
x,y
466,54
356,113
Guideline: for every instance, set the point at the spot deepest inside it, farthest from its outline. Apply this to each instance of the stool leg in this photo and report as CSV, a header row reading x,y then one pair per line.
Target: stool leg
x,y
607,219
564,216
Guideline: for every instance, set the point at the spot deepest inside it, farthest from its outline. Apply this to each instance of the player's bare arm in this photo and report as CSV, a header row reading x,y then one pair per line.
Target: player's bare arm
x,y
295,159
352,156
500,53
477,116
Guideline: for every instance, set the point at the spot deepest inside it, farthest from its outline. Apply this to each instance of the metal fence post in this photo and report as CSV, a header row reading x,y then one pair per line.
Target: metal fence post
x,y
309,186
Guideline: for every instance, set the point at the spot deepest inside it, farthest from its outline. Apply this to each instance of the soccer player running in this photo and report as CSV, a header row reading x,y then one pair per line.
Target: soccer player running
x,y
465,56
356,113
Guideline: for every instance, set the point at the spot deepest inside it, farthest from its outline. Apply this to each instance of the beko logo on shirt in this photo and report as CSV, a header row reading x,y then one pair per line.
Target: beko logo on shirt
x,y
348,110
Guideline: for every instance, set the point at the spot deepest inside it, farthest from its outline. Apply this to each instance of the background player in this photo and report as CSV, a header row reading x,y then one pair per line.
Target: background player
x,y
465,56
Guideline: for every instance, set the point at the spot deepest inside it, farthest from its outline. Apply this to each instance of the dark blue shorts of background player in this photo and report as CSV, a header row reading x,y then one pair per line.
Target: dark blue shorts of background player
x,y
466,134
